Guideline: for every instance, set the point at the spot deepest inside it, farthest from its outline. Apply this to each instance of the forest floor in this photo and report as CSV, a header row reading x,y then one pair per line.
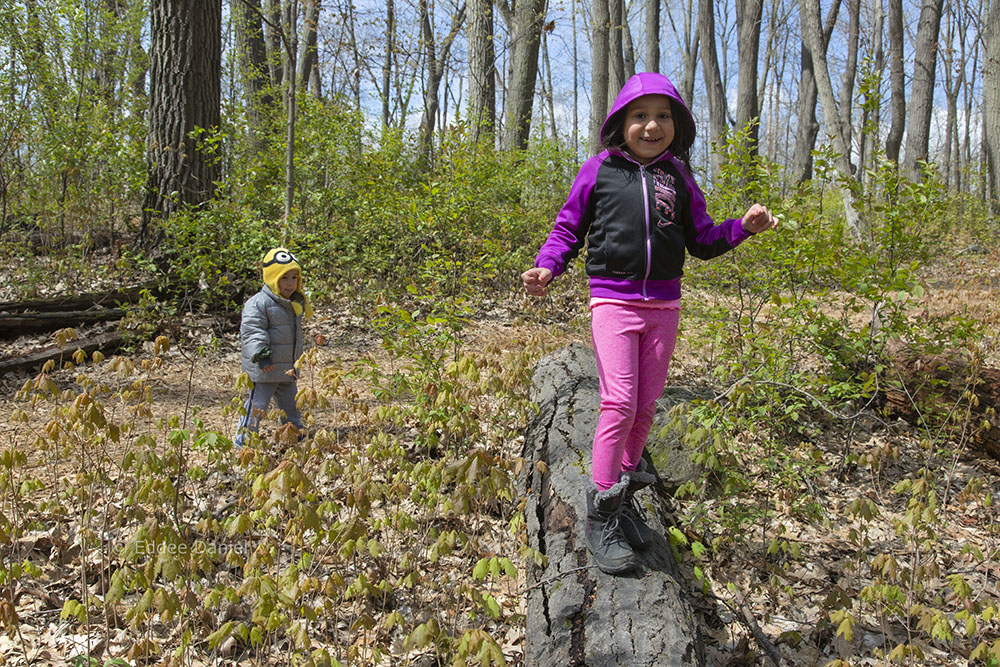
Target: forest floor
x,y
793,613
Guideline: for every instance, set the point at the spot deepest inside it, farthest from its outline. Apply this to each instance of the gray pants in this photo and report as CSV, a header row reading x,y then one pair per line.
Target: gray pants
x,y
260,397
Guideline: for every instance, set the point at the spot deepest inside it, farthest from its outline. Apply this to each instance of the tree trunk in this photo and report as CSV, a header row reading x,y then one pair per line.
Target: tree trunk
x,y
813,35
850,72
252,60
308,65
390,47
628,48
576,615
714,90
805,138
435,64
688,40
601,41
616,61
897,82
918,122
991,103
273,43
526,33
185,90
652,35
482,69
748,17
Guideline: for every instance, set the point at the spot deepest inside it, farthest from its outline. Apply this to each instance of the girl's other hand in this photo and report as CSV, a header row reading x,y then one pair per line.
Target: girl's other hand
x,y
758,219
535,280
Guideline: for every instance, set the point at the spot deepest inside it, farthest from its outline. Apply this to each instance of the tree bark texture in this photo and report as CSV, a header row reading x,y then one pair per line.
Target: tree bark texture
x,y
185,89
482,69
308,65
526,37
652,35
805,139
715,91
918,122
577,615
991,103
435,65
748,17
252,62
813,35
599,71
897,81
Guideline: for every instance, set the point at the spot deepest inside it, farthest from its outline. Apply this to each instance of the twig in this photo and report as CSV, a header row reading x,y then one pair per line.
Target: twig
x,y
556,577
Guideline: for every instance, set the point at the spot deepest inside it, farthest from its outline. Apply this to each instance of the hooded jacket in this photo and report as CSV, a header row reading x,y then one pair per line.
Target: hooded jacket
x,y
638,219
271,325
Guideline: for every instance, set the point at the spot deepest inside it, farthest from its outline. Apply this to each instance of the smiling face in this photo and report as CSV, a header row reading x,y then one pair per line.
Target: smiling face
x,y
288,283
649,127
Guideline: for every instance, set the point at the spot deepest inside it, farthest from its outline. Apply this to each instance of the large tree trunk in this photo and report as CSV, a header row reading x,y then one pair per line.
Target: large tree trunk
x,y
599,71
526,36
918,122
714,90
748,17
185,89
991,103
252,61
482,69
576,615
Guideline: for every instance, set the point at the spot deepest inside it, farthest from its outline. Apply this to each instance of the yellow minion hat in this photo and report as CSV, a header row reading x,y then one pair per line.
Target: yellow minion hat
x,y
277,262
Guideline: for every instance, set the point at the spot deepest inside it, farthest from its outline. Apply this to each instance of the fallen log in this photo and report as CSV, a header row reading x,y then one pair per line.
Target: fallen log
x,y
80,301
107,342
576,614
931,388
24,323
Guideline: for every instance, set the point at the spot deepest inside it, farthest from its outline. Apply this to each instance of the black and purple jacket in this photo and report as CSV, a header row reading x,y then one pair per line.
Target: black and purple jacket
x,y
637,219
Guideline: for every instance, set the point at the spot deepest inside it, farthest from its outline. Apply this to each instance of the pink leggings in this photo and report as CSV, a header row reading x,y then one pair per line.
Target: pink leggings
x,y
633,345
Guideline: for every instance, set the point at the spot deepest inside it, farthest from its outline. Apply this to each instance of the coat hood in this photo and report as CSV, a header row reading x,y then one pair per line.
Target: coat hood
x,y
653,83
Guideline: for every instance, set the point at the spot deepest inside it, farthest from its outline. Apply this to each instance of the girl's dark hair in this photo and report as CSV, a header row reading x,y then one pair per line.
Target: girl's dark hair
x,y
614,135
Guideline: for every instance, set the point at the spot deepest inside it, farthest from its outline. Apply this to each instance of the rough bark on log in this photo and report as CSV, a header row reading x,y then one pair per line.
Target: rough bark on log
x,y
64,303
930,387
24,323
104,342
576,614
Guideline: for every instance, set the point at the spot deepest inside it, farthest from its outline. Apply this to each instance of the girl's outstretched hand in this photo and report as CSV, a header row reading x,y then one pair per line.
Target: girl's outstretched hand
x,y
758,219
535,280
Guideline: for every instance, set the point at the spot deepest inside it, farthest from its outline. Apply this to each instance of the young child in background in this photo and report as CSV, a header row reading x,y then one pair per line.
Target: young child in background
x,y
638,208
271,341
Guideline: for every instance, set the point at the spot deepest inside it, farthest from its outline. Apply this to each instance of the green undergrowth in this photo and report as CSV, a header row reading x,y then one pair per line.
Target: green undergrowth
x,y
392,534
814,504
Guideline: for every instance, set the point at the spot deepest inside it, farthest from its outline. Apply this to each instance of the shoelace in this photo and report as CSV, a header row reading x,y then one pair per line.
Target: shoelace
x,y
633,510
612,529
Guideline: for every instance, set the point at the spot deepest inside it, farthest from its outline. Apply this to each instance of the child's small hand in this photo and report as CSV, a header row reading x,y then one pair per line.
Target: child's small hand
x,y
535,280
290,372
758,219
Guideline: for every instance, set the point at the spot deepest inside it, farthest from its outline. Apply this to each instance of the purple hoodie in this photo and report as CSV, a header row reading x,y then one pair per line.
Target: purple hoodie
x,y
638,219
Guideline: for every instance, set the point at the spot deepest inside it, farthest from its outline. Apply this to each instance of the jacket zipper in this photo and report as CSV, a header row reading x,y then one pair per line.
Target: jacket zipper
x,y
649,243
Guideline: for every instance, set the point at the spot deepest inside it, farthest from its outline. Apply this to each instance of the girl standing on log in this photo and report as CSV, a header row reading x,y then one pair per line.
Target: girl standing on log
x,y
637,206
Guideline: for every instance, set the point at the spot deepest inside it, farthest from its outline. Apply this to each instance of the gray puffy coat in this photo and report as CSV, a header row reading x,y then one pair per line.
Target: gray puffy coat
x,y
269,321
